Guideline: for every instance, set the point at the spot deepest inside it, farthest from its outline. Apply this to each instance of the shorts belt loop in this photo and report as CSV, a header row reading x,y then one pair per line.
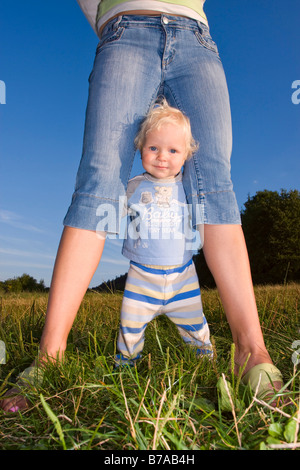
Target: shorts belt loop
x,y
118,21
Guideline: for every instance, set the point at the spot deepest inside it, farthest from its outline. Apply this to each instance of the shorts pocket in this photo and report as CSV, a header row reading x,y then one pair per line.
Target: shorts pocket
x,y
110,34
204,38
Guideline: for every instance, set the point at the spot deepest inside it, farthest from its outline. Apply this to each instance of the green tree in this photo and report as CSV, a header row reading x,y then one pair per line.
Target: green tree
x,y
23,283
271,224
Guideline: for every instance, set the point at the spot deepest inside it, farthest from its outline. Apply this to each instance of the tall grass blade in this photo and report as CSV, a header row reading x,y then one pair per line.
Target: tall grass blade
x,y
54,420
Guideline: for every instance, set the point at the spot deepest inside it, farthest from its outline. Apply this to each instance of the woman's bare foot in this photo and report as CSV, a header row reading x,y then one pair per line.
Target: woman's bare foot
x,y
14,401
15,398
255,359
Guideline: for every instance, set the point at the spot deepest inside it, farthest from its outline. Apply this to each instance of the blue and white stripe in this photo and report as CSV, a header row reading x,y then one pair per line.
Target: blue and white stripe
x,y
150,292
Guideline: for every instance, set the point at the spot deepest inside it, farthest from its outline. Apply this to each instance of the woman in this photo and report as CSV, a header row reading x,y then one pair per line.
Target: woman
x,y
147,49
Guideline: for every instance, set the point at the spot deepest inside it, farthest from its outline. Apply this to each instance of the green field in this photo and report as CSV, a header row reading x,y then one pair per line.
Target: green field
x,y
169,401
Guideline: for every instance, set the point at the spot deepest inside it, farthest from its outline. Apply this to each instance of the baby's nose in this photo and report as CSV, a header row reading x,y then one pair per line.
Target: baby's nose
x,y
161,155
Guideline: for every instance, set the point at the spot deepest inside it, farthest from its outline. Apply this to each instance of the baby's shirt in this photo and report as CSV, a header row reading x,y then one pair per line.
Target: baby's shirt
x,y
159,229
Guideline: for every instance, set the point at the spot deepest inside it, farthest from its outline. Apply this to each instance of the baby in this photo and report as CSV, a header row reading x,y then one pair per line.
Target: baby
x,y
162,278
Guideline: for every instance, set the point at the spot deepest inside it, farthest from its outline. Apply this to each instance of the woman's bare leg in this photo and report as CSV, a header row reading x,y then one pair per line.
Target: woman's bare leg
x,y
77,259
227,258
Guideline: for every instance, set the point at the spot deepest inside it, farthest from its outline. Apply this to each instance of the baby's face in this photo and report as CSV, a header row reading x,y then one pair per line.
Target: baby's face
x,y
164,151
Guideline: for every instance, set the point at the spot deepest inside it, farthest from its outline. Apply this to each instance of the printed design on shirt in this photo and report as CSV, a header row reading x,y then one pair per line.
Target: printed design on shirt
x,y
163,195
158,215
146,197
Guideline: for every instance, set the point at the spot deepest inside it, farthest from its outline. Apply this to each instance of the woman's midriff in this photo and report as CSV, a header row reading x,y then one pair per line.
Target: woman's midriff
x,y
135,12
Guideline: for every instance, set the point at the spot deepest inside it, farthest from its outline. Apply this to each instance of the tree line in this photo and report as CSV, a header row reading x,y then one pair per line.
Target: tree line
x,y
271,225
24,283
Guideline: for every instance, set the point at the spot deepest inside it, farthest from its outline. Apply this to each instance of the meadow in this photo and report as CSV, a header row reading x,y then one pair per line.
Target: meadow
x,y
170,401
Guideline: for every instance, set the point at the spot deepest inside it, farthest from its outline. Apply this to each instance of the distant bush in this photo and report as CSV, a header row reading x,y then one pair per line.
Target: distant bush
x,y
24,283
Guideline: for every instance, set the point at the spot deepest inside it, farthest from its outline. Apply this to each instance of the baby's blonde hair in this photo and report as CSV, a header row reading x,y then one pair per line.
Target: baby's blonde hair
x,y
162,113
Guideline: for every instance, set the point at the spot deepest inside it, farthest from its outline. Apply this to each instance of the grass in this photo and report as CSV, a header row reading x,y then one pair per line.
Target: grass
x,y
170,401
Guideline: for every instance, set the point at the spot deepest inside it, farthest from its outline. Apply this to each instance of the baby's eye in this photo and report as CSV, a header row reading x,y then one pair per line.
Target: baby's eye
x,y
153,148
172,151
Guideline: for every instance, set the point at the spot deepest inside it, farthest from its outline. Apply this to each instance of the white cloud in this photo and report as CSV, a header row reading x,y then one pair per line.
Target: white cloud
x,y
13,252
21,264
17,221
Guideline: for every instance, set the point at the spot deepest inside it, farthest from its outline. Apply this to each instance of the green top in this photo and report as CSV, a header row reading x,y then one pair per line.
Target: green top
x,y
99,12
174,7
106,5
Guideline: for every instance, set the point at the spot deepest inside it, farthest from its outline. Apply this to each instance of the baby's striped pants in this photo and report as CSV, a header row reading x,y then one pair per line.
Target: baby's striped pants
x,y
150,292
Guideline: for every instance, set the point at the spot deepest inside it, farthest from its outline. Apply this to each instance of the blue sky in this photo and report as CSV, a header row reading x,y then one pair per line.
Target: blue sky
x,y
47,51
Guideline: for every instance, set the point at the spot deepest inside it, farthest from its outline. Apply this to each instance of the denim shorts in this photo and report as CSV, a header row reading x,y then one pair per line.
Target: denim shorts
x,y
138,59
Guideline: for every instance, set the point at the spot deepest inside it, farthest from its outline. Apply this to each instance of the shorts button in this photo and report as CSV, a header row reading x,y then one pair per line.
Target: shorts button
x,y
165,20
